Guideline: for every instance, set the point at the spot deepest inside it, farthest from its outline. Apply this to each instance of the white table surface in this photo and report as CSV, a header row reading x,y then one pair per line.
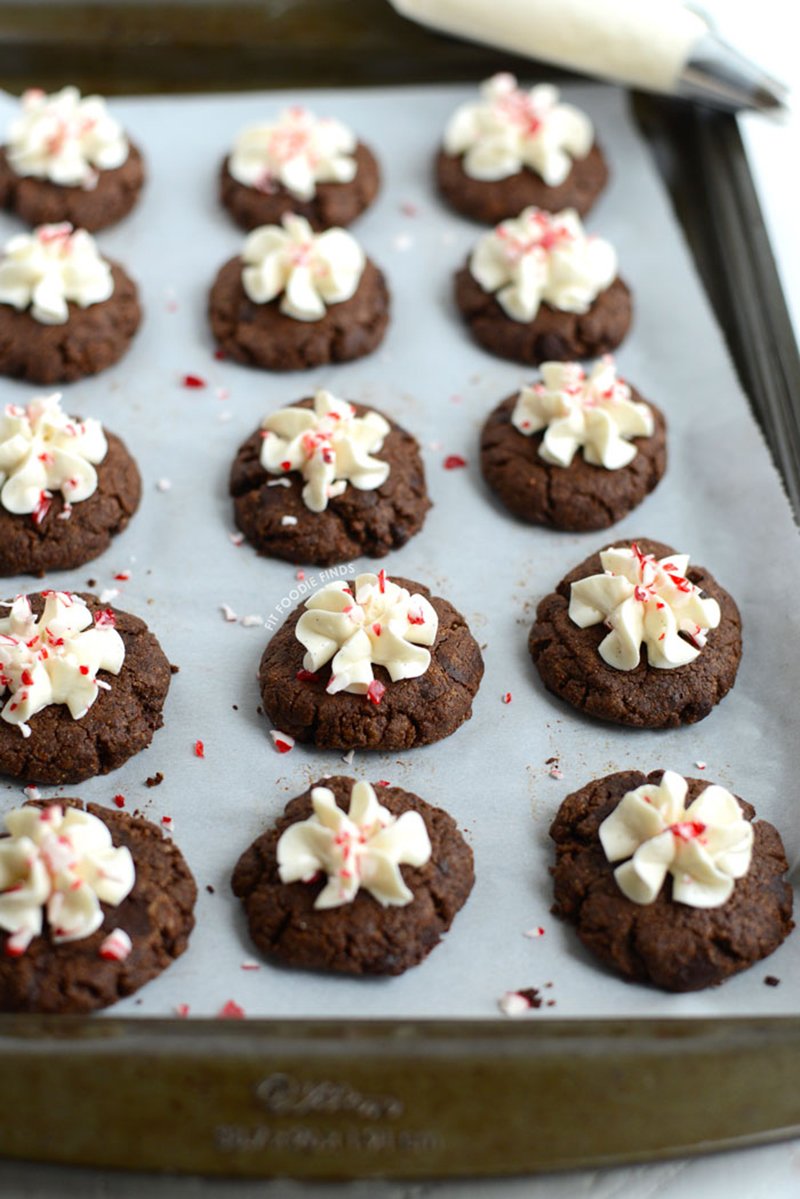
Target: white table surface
x,y
770,34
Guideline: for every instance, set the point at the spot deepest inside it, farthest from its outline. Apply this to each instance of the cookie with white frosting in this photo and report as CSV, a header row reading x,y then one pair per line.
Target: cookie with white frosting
x,y
298,162
354,879
82,687
94,903
296,299
539,289
638,636
65,311
577,450
371,663
670,881
67,486
66,158
514,148
325,481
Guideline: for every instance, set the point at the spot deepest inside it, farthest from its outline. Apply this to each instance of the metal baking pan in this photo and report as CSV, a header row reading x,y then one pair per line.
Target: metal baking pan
x,y
405,1098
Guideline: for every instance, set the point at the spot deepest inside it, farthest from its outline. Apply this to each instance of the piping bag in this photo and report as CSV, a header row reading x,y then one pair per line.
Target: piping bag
x,y
657,45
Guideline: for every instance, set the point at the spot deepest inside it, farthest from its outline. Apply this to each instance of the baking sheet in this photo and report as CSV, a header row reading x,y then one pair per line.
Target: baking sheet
x,y
721,501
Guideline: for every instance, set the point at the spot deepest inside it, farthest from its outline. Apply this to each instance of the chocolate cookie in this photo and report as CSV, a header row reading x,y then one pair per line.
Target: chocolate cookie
x,y
333,204
570,665
91,340
72,977
35,547
553,335
491,201
42,202
278,523
409,712
671,945
261,335
579,497
361,937
120,722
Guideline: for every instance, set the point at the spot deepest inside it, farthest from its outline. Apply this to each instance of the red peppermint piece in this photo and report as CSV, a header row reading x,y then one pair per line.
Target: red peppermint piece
x,y
507,697
193,381
454,462
283,742
119,800
375,692
182,1010
231,1011
220,355
307,676
199,749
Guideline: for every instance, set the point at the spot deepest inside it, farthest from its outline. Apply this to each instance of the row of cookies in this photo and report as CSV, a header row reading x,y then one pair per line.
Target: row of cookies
x,y
310,680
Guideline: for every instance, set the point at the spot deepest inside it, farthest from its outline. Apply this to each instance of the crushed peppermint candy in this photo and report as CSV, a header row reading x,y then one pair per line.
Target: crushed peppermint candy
x,y
231,1011
283,742
454,462
348,757
193,382
123,576
409,209
222,393
288,520
164,485
507,697
119,800
117,946
181,1010
220,354
279,482
516,1003
555,773
225,416
31,792
167,822
252,621
236,538
108,594
300,574
701,765
228,613
375,691
199,749
250,964
533,933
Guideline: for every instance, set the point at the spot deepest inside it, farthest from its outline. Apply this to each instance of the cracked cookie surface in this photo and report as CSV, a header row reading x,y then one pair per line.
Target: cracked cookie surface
x,y
361,937
570,665
371,522
411,711
119,724
261,335
579,497
157,915
671,945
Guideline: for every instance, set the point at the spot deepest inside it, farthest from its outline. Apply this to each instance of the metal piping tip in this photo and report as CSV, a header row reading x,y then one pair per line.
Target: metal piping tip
x,y
717,75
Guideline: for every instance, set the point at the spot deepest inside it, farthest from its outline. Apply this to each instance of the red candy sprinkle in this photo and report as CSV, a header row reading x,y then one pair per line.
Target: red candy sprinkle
x,y
231,1011
454,462
193,381
182,1010
375,692
307,676
199,749
166,820
119,800
383,783
220,355
507,697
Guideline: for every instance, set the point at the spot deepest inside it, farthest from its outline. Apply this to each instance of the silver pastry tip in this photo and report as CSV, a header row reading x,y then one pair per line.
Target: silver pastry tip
x,y
717,74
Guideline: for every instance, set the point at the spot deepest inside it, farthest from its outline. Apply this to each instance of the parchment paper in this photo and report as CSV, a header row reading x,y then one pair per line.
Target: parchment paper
x,y
721,501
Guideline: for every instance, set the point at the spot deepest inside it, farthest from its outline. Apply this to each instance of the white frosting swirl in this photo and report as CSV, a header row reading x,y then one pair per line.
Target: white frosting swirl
x,y
310,270
45,269
509,129
364,848
54,659
328,444
62,863
594,412
65,138
383,624
297,151
43,450
642,600
705,847
541,257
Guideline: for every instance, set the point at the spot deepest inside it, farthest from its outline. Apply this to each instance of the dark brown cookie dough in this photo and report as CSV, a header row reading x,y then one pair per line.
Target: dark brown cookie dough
x,y
261,335
493,200
91,340
553,336
361,937
356,522
42,202
56,544
119,724
411,711
158,916
671,945
332,205
570,665
579,497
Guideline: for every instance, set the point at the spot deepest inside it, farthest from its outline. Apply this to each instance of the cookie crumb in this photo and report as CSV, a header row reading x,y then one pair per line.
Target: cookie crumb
x,y
155,780
91,582
210,889
772,981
